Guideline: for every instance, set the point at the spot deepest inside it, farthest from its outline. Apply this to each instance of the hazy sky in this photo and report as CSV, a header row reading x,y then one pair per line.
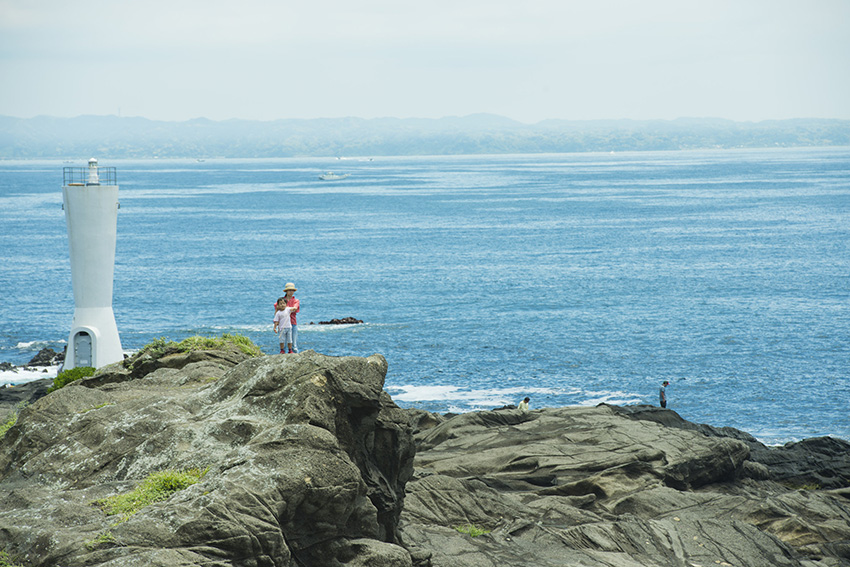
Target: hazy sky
x,y
525,59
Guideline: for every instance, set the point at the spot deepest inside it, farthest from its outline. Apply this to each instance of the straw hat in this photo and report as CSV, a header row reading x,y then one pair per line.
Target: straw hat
x,y
289,287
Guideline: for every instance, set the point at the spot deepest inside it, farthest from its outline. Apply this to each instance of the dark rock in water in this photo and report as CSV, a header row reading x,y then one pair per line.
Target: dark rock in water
x,y
343,321
6,366
46,357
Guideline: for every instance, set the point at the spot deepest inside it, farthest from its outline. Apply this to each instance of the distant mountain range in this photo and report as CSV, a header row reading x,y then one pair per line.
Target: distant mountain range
x,y
120,137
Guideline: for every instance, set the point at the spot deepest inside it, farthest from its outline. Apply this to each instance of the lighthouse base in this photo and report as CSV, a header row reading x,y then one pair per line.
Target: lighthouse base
x,y
94,339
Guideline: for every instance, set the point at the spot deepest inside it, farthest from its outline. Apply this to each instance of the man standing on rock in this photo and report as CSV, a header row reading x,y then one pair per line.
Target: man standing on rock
x,y
663,394
289,295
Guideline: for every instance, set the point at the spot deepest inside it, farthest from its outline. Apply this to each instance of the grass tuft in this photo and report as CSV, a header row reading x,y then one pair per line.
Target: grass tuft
x,y
797,486
156,487
157,347
103,405
67,376
472,531
10,422
6,561
102,539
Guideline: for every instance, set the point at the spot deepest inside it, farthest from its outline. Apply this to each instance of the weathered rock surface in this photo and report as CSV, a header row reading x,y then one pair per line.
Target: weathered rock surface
x,y
821,462
601,487
11,399
311,464
307,459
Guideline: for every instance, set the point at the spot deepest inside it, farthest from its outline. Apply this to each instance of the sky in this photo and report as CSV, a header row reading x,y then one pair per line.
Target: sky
x,y
529,60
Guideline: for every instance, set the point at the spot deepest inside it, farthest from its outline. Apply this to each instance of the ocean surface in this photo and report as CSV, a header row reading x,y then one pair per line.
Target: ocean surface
x,y
573,279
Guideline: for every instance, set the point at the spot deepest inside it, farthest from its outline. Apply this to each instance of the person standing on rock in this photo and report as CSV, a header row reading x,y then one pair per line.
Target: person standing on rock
x,y
283,324
662,394
295,305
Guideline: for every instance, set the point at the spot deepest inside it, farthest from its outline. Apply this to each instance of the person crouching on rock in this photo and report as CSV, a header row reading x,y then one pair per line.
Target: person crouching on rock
x,y
662,394
283,325
523,405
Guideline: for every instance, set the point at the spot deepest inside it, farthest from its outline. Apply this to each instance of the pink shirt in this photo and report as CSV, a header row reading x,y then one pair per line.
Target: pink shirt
x,y
296,306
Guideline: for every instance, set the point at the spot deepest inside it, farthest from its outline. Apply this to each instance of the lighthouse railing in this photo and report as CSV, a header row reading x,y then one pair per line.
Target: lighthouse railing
x,y
73,176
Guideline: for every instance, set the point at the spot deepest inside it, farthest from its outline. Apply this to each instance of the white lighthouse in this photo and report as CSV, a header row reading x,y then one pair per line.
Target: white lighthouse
x,y
91,210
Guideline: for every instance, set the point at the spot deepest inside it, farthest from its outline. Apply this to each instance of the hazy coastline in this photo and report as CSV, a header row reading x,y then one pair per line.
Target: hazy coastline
x,y
116,137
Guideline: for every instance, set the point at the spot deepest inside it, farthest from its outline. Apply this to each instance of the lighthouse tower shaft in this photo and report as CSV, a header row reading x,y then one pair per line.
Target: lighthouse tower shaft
x,y
91,213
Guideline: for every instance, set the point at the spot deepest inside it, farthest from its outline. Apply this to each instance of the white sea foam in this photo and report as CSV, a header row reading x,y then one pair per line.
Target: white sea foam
x,y
254,327
32,345
613,398
458,400
467,400
23,375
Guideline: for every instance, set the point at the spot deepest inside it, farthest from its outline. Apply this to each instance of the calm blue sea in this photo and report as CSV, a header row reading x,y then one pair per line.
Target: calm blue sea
x,y
573,279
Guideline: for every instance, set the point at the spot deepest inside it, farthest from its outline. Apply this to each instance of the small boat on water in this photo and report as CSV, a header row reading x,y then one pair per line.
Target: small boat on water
x,y
331,176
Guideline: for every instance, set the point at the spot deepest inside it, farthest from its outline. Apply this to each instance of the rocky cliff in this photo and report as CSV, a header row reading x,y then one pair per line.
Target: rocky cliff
x,y
306,461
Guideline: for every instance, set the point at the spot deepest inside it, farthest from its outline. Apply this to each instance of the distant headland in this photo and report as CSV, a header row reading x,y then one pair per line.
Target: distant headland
x,y
115,137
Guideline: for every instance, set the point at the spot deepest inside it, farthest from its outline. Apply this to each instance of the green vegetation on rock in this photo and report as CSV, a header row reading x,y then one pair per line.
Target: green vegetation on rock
x,y
103,405
67,376
160,347
10,422
472,531
211,343
102,539
156,487
6,561
147,359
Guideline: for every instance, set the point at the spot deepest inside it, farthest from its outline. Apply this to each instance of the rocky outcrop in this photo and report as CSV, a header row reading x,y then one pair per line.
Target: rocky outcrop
x,y
44,357
47,357
600,487
310,463
307,462
14,398
819,462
